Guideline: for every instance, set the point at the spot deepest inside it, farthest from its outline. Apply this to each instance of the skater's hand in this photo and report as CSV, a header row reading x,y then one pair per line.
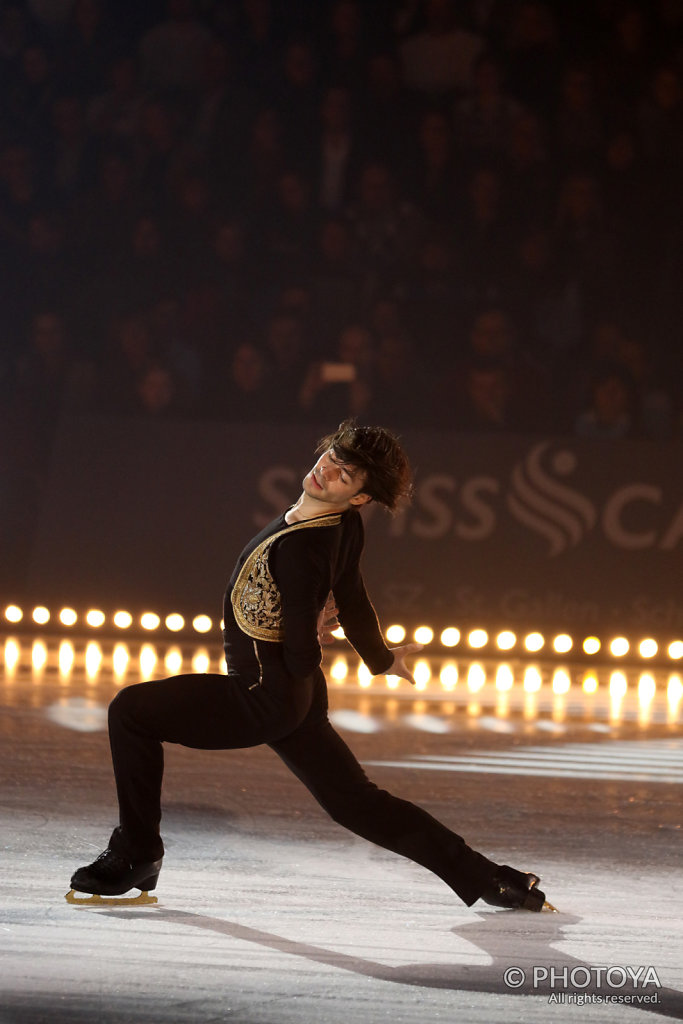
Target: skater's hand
x,y
327,621
398,666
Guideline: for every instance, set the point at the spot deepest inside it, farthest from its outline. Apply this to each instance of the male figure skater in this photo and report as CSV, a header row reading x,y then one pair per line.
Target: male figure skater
x,y
275,606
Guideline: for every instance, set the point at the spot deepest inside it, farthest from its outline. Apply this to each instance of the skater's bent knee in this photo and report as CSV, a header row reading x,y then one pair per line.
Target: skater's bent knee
x,y
125,703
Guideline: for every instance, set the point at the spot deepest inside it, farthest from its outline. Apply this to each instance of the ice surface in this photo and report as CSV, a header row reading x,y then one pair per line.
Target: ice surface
x,y
269,913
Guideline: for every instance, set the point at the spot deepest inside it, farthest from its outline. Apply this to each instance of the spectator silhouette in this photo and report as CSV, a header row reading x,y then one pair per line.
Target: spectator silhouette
x,y
434,171
383,225
297,97
583,246
438,60
29,95
156,392
72,155
288,227
242,392
174,51
336,158
335,282
345,56
89,44
532,58
115,114
484,119
612,411
579,123
323,394
386,114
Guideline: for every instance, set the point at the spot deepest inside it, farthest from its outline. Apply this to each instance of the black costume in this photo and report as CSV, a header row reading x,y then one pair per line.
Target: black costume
x,y
275,693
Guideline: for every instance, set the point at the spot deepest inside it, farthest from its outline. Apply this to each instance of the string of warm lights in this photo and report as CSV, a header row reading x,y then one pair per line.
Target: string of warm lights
x,y
435,677
536,643
95,618
473,640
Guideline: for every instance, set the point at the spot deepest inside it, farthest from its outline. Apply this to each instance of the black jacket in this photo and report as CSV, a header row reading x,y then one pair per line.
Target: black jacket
x,y
278,588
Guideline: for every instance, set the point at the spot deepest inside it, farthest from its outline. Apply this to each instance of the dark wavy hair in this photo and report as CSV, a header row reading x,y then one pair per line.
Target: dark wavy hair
x,y
388,476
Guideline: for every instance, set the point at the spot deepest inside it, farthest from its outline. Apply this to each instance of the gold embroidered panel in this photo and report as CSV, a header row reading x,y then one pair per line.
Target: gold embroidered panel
x,y
255,598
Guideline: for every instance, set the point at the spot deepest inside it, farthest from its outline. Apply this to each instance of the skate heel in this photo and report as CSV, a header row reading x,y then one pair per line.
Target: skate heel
x,y
148,884
534,899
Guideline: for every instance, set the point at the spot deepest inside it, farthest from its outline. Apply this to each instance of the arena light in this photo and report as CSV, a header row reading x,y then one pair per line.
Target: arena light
x,y
93,659
364,676
201,661
450,637
65,657
532,679
422,673
591,645
534,642
449,676
148,660
476,677
648,648
173,661
619,646
396,634
202,623
38,655
12,654
675,650
478,638
617,685
423,635
174,622
561,682
674,688
41,615
506,640
120,658
563,643
339,669
150,621
68,617
647,688
123,620
13,613
590,683
95,618
504,677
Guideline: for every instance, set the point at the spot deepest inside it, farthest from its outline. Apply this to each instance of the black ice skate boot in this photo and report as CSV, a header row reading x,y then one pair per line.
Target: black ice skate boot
x,y
515,890
113,874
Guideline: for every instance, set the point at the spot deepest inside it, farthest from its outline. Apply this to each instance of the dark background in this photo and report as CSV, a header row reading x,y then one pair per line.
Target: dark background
x,y
477,204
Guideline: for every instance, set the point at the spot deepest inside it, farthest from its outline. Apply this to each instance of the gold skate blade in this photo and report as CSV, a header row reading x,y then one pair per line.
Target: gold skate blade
x,y
95,900
548,906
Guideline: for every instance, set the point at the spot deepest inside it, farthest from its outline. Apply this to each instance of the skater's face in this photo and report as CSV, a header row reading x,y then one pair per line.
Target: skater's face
x,y
335,483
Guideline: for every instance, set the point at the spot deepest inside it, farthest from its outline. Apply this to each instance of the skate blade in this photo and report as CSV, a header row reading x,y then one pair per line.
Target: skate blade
x,y
95,900
548,906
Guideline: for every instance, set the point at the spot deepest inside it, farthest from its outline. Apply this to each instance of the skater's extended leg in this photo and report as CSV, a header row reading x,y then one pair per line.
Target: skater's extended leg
x,y
320,758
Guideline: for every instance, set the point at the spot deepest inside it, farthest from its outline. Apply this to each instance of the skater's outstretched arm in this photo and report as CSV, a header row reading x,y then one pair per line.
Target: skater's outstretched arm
x,y
398,666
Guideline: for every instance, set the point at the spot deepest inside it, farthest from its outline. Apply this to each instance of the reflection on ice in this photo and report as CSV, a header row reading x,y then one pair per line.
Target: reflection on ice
x,y
81,714
513,689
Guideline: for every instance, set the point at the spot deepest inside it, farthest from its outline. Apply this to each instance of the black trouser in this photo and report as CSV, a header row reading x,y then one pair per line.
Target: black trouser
x,y
213,712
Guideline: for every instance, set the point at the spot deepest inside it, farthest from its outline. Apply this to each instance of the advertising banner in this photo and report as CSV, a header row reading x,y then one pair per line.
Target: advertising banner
x,y
515,531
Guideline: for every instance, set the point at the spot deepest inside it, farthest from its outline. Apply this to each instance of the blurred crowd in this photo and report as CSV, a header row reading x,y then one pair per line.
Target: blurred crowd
x,y
452,214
